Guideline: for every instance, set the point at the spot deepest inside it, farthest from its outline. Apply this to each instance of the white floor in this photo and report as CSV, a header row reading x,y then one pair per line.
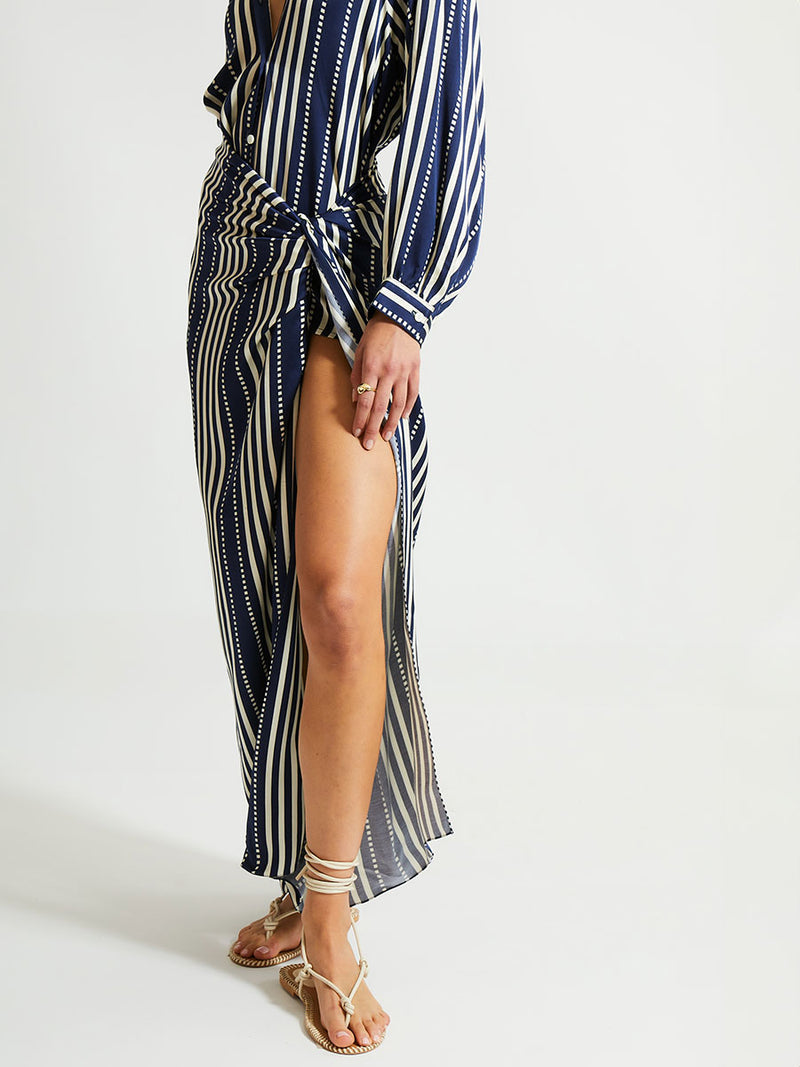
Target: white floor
x,y
621,889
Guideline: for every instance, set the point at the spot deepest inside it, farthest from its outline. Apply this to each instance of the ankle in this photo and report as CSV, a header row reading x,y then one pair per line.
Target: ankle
x,y
328,914
326,906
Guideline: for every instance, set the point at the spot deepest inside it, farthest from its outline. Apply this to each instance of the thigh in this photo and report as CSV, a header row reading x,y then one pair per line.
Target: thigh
x,y
345,494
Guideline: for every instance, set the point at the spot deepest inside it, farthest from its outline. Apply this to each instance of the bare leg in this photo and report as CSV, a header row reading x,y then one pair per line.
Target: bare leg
x,y
345,503
346,498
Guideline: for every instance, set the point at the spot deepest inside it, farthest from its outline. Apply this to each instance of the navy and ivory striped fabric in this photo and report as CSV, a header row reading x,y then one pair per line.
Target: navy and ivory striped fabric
x,y
297,235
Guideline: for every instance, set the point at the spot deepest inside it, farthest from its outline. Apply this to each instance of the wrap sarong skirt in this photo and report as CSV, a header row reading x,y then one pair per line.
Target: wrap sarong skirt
x,y
257,270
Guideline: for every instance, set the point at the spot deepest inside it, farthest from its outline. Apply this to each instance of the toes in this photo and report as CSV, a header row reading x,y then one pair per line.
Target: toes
x,y
341,1037
255,947
363,1036
366,1031
246,946
375,1030
264,951
242,940
338,1033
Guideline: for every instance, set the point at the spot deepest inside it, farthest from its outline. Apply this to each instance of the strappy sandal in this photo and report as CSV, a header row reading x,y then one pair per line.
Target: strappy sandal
x,y
297,978
270,923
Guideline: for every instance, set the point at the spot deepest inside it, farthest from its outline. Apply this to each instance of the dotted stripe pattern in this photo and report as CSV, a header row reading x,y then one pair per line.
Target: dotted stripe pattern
x,y
297,235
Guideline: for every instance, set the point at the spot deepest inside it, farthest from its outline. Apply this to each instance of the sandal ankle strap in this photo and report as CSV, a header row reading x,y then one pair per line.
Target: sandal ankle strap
x,y
320,881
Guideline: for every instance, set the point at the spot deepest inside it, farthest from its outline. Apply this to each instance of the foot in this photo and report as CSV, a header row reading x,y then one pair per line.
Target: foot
x,y
253,940
330,953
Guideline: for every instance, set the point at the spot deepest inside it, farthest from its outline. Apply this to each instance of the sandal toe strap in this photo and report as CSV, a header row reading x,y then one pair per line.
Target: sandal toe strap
x,y
271,919
275,915
306,972
348,1007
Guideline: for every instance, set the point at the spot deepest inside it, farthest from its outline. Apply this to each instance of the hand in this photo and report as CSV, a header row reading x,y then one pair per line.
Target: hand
x,y
388,359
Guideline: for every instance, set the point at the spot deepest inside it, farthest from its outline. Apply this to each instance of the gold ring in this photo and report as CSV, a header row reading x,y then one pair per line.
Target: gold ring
x,y
364,388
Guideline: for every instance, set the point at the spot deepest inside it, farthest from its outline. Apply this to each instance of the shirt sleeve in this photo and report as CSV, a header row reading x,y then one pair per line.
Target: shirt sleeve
x,y
217,91
435,193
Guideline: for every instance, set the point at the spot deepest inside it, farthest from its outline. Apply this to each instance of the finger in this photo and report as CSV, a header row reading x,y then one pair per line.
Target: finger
x,y
355,373
364,402
412,393
379,406
398,406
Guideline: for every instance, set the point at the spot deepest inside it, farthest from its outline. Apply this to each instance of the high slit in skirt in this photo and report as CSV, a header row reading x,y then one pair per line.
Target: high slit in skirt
x,y
263,279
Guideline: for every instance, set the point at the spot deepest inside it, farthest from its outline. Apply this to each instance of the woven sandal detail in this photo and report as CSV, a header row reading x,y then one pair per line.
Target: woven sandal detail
x,y
298,978
271,920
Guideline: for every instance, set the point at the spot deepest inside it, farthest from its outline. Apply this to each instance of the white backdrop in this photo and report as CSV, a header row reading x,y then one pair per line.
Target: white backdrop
x,y
608,571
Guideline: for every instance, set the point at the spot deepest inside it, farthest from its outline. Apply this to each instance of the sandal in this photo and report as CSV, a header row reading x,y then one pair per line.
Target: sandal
x,y
270,922
297,979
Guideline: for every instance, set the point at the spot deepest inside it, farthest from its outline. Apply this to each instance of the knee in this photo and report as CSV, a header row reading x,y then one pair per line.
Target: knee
x,y
340,620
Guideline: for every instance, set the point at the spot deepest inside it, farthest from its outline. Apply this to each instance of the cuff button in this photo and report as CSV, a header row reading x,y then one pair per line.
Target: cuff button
x,y
419,316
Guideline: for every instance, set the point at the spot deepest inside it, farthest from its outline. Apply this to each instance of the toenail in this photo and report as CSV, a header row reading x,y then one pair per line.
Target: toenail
x,y
341,1033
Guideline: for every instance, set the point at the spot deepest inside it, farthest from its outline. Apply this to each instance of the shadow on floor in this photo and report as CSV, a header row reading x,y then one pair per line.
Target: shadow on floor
x,y
69,863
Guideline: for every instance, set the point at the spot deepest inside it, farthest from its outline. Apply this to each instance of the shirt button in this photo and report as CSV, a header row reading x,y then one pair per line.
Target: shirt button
x,y
250,138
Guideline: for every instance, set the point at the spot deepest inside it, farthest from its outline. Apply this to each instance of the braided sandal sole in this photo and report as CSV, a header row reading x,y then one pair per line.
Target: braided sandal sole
x,y
257,961
313,1018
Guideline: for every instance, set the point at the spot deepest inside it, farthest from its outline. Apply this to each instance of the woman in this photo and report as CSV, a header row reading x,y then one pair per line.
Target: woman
x,y
307,271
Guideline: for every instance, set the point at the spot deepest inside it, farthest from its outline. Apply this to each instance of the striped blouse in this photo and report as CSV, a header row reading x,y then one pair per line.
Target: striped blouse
x,y
342,79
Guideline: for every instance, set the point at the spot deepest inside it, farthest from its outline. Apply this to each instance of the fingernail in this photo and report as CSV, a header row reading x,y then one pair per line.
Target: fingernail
x,y
369,444
358,433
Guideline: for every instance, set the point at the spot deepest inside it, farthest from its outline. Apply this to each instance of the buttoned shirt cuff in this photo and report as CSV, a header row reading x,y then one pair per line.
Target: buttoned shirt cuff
x,y
405,307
